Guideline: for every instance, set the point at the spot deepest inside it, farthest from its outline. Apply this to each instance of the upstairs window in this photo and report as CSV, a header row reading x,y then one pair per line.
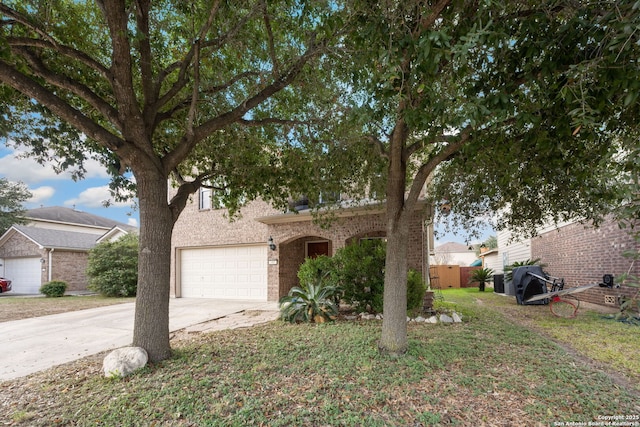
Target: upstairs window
x,y
205,198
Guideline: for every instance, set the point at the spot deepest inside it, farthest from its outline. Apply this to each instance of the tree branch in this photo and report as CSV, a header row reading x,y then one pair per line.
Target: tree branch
x,y
185,146
115,15
63,50
17,17
427,168
375,141
32,89
62,82
183,65
272,49
185,103
427,21
146,57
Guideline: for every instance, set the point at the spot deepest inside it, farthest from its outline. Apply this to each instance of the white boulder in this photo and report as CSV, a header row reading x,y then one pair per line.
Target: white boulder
x,y
445,319
124,361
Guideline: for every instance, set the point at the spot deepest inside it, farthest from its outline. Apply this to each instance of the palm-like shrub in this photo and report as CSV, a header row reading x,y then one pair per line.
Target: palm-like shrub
x,y
508,269
482,276
314,303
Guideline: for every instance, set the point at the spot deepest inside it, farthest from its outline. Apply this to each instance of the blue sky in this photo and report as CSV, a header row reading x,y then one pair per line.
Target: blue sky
x,y
51,189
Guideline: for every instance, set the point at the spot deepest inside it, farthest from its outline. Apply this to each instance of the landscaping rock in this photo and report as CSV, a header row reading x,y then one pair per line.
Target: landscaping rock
x,y
432,319
124,361
456,317
445,319
420,319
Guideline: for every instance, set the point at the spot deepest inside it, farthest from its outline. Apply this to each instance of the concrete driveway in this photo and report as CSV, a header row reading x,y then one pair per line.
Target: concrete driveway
x,y
32,345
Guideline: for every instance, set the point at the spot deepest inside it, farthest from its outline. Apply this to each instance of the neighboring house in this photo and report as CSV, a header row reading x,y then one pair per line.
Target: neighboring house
x,y
580,254
452,253
491,259
53,245
213,257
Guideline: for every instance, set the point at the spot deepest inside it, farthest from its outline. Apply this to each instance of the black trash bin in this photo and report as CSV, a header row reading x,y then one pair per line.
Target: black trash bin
x,y
498,283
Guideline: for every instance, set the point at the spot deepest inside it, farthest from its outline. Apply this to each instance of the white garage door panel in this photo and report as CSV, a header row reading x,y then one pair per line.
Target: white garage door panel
x,y
238,272
24,273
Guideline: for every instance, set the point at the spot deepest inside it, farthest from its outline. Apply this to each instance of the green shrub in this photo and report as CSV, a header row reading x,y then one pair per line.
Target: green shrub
x,y
113,267
415,290
312,303
313,269
54,288
359,272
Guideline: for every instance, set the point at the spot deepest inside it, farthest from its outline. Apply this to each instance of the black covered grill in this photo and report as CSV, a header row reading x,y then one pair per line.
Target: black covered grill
x,y
528,285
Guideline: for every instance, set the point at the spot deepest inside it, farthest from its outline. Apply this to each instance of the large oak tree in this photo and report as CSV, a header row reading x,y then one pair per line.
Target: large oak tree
x,y
204,92
498,106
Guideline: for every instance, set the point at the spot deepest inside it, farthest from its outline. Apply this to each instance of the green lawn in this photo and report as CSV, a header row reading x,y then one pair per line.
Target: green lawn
x,y
17,308
485,371
591,333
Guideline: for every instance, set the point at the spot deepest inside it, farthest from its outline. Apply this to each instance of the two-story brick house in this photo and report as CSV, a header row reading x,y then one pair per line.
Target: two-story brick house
x,y
213,257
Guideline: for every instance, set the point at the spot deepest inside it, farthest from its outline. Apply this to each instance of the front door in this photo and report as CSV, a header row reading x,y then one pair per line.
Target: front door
x,y
316,249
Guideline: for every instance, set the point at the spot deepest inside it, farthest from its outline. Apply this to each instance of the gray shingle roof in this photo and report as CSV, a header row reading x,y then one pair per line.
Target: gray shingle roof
x,y
59,238
72,216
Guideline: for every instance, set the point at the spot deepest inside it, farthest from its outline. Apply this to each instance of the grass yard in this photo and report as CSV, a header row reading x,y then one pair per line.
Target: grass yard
x,y
592,333
490,370
17,308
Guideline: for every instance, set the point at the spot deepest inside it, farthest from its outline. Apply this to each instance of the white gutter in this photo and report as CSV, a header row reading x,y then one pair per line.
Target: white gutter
x,y
50,268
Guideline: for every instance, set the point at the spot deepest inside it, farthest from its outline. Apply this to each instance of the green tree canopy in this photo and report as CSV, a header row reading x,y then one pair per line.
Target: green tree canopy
x,y
12,197
502,107
235,96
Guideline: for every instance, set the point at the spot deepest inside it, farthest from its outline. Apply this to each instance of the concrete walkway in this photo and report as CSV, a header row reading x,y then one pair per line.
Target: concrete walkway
x,y
32,345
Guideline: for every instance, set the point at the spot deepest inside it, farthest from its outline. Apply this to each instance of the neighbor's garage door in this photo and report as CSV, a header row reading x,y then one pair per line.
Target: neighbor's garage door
x,y
24,273
230,272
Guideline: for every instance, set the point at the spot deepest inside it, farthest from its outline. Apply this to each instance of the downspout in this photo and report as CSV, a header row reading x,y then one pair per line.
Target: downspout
x,y
50,268
426,247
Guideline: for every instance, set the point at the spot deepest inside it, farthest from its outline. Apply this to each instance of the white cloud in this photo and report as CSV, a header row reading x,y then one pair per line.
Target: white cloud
x,y
133,222
95,197
29,171
41,194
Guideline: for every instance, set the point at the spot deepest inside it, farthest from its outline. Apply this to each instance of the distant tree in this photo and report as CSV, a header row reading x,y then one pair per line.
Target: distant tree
x,y
491,242
113,267
12,197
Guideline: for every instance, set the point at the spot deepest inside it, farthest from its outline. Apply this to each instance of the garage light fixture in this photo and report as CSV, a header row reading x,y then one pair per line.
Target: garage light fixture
x,y
272,245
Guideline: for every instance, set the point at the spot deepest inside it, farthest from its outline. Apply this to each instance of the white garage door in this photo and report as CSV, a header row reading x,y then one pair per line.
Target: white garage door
x,y
24,273
230,272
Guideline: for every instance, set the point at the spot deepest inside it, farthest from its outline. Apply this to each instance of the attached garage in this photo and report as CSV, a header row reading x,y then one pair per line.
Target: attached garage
x,y
25,274
224,272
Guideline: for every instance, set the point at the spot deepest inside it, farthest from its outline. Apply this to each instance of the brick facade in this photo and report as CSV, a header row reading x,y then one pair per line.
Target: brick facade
x,y
582,254
67,266
291,233
70,267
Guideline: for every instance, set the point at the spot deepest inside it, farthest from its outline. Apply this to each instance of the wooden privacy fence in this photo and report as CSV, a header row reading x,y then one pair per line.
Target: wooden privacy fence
x,y
451,276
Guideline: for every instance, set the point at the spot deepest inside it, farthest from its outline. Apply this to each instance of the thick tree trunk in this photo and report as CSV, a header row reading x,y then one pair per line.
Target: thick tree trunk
x,y
394,324
151,327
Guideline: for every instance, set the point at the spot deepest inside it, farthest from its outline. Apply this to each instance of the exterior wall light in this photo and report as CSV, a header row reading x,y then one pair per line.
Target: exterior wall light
x,y
272,245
